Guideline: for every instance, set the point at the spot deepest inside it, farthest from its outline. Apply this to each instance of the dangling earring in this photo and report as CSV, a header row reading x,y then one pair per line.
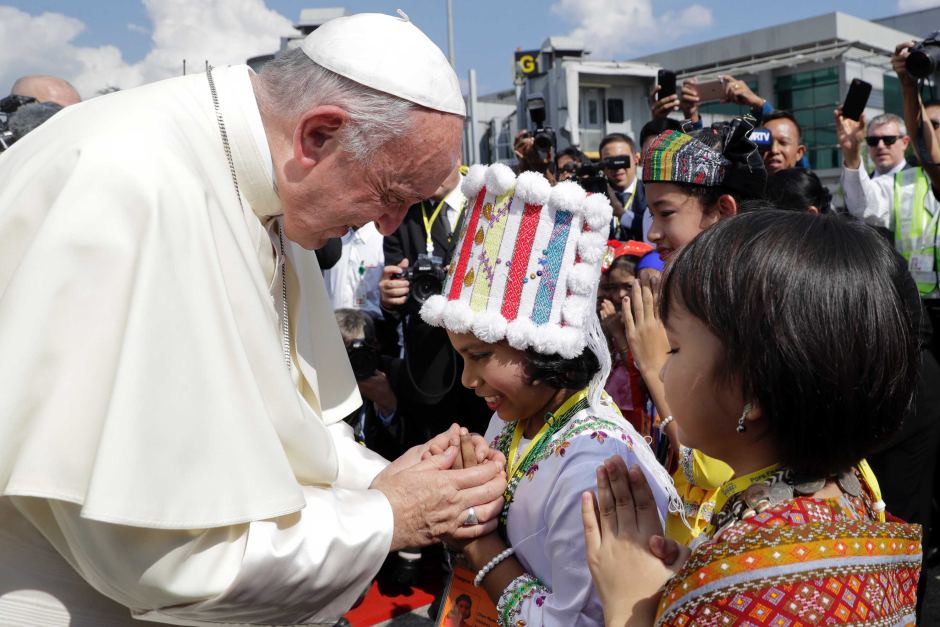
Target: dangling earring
x,y
741,426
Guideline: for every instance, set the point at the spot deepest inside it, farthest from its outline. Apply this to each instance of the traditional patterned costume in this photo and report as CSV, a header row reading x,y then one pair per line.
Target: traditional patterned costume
x,y
527,270
798,560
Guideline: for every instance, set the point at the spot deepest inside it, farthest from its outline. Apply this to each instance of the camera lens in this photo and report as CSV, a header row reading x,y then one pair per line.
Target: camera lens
x,y
543,142
424,287
923,61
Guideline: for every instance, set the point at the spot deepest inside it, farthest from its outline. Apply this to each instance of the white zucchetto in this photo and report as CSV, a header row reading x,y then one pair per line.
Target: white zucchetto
x,y
389,54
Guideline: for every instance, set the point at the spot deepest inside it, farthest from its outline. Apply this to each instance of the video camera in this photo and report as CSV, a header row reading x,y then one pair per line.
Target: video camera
x,y
543,135
591,177
924,57
21,114
426,278
762,138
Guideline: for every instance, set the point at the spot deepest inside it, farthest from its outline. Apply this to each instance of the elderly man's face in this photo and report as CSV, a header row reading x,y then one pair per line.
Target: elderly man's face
x,y
338,192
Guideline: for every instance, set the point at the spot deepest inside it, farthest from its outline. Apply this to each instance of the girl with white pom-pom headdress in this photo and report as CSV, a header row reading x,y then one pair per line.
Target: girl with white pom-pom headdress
x,y
518,305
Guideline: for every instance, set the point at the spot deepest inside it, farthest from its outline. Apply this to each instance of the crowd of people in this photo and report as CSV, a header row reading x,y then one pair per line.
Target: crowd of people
x,y
676,386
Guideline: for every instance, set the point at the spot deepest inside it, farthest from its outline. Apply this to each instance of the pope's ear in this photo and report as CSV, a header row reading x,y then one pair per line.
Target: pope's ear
x,y
317,134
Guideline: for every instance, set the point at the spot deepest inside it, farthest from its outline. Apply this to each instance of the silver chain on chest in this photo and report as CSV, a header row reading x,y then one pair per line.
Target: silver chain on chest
x,y
285,323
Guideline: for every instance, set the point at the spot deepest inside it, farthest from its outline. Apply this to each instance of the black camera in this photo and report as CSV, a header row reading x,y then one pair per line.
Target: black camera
x,y
21,114
543,135
427,279
591,178
364,359
924,57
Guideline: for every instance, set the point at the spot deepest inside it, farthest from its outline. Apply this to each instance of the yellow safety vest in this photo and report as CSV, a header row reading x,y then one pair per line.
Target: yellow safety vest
x,y
915,228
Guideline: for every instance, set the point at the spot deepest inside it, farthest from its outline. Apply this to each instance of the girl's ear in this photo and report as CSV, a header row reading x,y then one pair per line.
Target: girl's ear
x,y
727,206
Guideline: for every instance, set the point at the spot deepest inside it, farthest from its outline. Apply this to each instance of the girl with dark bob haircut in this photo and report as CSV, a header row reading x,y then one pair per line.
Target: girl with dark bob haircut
x,y
792,355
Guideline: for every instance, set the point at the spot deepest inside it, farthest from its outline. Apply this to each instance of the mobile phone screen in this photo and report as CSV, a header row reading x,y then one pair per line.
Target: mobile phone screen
x,y
856,99
667,84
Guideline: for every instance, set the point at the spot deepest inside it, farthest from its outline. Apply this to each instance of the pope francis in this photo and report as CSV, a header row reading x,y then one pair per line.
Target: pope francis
x,y
171,442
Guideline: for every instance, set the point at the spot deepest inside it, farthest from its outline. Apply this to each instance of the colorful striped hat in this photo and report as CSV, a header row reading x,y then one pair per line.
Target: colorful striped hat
x,y
527,264
675,157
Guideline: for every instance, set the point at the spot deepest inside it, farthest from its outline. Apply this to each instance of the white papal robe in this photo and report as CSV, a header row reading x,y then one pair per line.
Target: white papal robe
x,y
156,453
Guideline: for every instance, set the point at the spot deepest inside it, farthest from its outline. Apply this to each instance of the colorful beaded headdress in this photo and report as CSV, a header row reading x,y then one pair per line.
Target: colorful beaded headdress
x,y
527,264
675,157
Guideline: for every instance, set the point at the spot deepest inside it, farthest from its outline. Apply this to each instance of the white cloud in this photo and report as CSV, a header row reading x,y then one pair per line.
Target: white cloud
x,y
137,28
906,6
220,31
615,27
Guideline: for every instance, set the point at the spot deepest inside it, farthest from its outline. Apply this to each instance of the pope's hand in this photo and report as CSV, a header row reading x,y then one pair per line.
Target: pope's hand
x,y
430,499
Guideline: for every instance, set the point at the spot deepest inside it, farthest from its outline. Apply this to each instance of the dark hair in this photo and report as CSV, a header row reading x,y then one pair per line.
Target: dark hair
x,y
795,189
574,153
628,262
658,125
811,323
783,115
557,372
462,597
617,137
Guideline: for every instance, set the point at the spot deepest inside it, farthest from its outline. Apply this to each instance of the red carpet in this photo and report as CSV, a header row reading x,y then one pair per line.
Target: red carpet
x,y
377,607
387,599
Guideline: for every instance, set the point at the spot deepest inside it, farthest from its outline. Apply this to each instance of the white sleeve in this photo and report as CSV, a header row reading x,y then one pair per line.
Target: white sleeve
x,y
305,567
358,465
868,199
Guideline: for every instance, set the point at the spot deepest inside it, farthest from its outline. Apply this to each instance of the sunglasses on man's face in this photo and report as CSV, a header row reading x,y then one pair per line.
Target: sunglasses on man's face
x,y
889,140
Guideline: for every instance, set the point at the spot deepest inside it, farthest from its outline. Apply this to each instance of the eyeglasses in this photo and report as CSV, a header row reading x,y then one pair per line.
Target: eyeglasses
x,y
889,140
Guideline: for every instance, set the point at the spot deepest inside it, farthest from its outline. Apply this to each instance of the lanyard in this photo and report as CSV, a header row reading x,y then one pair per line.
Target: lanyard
x,y
629,203
429,222
516,465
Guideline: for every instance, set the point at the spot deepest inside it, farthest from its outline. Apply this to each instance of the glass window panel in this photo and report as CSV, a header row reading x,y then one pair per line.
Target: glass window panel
x,y
783,83
827,94
824,137
592,112
802,98
822,116
785,100
615,110
803,79
804,118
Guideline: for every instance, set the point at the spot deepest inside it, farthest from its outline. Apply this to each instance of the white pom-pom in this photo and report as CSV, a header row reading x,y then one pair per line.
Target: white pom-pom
x,y
533,189
547,340
520,333
582,278
567,196
597,212
458,317
574,310
499,178
489,326
473,182
432,311
571,342
592,246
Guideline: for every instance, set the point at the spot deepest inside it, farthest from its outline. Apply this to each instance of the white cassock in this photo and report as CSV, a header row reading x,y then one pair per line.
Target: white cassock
x,y
153,443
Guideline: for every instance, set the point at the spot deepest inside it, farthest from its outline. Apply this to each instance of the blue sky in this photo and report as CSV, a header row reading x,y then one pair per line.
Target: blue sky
x,y
126,42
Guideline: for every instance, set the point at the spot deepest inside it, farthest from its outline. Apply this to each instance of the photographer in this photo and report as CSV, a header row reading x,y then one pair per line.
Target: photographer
x,y
619,159
568,162
378,423
32,101
430,381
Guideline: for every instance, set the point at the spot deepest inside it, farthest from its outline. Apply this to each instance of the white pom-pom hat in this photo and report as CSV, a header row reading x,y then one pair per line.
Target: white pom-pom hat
x,y
526,264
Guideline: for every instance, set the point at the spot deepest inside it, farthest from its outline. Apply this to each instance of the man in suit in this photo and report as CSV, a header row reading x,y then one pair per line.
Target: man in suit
x,y
429,385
